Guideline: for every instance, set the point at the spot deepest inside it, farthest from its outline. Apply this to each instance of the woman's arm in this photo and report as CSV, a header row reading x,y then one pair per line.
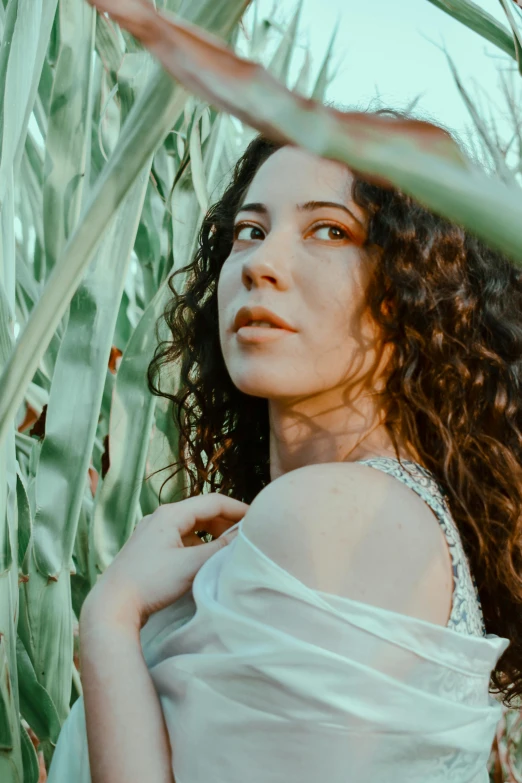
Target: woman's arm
x,y
126,732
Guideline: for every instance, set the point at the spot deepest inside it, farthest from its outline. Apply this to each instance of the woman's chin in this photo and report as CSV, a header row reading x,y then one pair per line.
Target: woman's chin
x,y
269,379
259,385
258,390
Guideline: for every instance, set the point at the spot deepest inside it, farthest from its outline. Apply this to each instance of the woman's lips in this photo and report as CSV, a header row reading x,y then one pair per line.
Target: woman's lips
x,y
261,334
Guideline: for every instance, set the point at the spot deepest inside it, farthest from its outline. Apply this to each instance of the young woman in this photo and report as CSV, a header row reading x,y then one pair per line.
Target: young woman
x,y
350,395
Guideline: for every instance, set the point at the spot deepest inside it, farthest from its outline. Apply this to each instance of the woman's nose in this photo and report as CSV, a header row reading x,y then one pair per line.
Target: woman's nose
x,y
267,264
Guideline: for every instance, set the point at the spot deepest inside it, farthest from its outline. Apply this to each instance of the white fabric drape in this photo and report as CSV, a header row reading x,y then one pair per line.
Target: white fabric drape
x,y
265,680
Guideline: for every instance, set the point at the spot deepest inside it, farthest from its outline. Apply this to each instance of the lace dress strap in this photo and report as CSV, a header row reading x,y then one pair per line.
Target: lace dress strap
x,y
466,612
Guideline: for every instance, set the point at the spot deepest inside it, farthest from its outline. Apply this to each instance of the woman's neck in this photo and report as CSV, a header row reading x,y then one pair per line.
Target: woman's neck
x,y
323,430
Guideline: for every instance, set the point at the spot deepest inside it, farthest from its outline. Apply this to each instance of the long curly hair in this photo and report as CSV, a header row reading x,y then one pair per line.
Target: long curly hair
x,y
452,309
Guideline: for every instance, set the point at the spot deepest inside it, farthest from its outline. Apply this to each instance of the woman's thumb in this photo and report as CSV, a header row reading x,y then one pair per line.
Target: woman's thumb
x,y
206,550
225,538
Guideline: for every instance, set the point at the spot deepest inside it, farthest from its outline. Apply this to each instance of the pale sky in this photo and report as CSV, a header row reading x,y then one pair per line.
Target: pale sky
x,y
383,48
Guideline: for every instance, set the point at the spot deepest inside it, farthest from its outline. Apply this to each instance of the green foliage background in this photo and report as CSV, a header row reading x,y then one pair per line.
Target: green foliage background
x,y
82,107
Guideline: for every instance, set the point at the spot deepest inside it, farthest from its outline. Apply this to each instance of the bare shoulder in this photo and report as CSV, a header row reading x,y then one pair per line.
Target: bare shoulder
x,y
354,531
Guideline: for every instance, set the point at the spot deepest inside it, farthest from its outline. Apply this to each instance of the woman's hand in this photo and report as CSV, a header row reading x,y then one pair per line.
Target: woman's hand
x,y
159,561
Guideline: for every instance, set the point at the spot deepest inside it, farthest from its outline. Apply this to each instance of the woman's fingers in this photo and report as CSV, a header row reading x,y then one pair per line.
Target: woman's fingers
x,y
213,513
203,512
191,539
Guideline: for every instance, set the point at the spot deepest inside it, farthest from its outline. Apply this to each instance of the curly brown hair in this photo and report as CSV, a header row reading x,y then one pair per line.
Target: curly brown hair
x,y
452,309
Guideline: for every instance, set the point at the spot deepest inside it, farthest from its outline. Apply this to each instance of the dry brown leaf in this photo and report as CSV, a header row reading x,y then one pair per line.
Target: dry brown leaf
x,y
204,66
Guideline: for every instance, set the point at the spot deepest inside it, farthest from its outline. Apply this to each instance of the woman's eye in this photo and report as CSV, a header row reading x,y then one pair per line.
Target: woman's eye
x,y
331,232
245,232
241,233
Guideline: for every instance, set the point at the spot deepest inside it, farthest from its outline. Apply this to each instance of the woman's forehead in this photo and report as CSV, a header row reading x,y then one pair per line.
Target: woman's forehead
x,y
292,175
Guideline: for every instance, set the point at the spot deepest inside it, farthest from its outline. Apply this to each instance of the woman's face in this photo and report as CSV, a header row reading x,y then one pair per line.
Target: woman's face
x,y
304,262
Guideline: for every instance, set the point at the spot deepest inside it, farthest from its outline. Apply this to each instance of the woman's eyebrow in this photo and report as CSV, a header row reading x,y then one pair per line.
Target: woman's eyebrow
x,y
308,207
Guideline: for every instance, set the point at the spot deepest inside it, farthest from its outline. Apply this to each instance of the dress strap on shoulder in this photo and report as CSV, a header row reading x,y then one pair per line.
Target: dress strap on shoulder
x,y
466,615
417,477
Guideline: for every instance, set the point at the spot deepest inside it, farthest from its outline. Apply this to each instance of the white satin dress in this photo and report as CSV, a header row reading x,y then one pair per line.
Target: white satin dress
x,y
265,680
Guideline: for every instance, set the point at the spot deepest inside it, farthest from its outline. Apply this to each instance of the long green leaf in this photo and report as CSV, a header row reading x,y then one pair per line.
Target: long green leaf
x,y
69,130
26,35
66,451
29,758
480,21
517,37
130,440
323,77
279,65
36,705
48,636
196,162
80,375
150,120
20,79
11,764
499,161
418,157
117,502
